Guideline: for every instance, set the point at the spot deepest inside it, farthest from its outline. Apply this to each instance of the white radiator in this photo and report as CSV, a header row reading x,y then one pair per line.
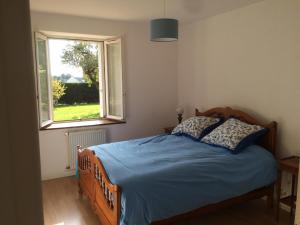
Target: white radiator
x,y
84,138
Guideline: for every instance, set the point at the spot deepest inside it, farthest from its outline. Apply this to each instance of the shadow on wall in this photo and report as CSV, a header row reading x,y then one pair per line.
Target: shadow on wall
x,y
192,6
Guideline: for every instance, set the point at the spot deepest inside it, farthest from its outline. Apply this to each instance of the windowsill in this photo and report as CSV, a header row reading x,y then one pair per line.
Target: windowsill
x,y
86,123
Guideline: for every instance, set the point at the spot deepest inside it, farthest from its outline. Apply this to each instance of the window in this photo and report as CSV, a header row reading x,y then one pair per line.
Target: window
x,y
79,80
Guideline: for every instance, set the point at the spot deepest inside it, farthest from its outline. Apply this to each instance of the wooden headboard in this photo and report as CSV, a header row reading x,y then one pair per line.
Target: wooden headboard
x,y
269,140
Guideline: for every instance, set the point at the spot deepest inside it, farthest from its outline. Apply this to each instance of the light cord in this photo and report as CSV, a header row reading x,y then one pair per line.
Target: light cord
x,y
165,8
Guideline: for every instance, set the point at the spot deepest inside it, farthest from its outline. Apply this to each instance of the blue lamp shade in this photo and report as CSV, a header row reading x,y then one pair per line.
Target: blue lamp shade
x,y
164,30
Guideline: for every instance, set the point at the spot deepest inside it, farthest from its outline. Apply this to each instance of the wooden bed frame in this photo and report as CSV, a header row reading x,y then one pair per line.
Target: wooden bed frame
x,y
105,197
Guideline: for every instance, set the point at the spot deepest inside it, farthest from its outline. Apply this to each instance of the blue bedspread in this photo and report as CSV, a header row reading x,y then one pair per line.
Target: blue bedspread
x,y
167,175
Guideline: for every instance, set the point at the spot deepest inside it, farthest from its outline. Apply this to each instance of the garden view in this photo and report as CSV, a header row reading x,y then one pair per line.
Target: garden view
x,y
75,79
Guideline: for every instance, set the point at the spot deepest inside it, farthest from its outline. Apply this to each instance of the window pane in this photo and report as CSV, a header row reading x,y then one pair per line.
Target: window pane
x,y
74,69
114,76
43,80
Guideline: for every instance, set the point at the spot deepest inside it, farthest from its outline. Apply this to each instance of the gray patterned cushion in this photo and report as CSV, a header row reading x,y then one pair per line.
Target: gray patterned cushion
x,y
195,126
234,135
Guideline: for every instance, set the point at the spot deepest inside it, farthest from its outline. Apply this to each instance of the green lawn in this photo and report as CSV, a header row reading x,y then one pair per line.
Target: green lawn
x,y
76,112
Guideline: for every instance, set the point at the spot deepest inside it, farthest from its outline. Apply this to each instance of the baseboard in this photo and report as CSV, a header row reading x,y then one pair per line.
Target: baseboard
x,y
282,206
66,173
285,207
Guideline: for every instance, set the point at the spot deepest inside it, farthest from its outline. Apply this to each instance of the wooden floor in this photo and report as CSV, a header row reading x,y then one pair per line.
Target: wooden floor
x,y
62,206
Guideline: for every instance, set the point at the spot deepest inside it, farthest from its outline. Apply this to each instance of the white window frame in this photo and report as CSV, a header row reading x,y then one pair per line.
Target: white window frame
x,y
103,81
49,81
102,84
108,114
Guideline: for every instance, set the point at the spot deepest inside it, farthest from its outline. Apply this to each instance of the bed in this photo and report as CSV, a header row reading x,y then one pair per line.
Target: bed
x,y
167,178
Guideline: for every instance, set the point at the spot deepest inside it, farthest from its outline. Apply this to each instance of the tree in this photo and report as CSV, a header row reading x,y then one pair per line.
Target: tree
x,y
84,55
58,90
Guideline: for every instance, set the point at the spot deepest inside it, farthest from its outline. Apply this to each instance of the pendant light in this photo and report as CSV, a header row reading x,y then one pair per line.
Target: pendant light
x,y
164,29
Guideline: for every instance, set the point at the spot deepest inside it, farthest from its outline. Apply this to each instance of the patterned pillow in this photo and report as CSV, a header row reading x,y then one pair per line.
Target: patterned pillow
x,y
197,126
234,135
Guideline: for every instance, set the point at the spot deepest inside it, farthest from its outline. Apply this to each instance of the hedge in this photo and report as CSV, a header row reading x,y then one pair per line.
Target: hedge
x,y
79,93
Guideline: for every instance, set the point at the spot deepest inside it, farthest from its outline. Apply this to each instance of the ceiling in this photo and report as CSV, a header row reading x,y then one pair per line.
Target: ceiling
x,y
139,10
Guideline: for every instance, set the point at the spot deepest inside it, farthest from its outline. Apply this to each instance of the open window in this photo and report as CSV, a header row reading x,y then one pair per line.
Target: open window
x,y
78,79
114,79
43,80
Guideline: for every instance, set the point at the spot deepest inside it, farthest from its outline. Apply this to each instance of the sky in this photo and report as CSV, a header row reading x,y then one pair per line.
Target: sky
x,y
57,68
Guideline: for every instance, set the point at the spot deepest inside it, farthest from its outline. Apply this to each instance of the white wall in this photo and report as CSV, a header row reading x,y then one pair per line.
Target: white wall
x,y
151,84
249,59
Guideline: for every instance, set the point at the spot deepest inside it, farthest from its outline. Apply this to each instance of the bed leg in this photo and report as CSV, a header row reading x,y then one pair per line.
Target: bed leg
x,y
270,197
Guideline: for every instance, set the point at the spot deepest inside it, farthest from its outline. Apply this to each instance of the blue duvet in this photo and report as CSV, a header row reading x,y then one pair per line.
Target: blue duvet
x,y
167,175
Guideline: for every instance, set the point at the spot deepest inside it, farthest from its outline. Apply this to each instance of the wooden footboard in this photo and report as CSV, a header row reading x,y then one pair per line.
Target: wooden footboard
x,y
85,170
94,183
